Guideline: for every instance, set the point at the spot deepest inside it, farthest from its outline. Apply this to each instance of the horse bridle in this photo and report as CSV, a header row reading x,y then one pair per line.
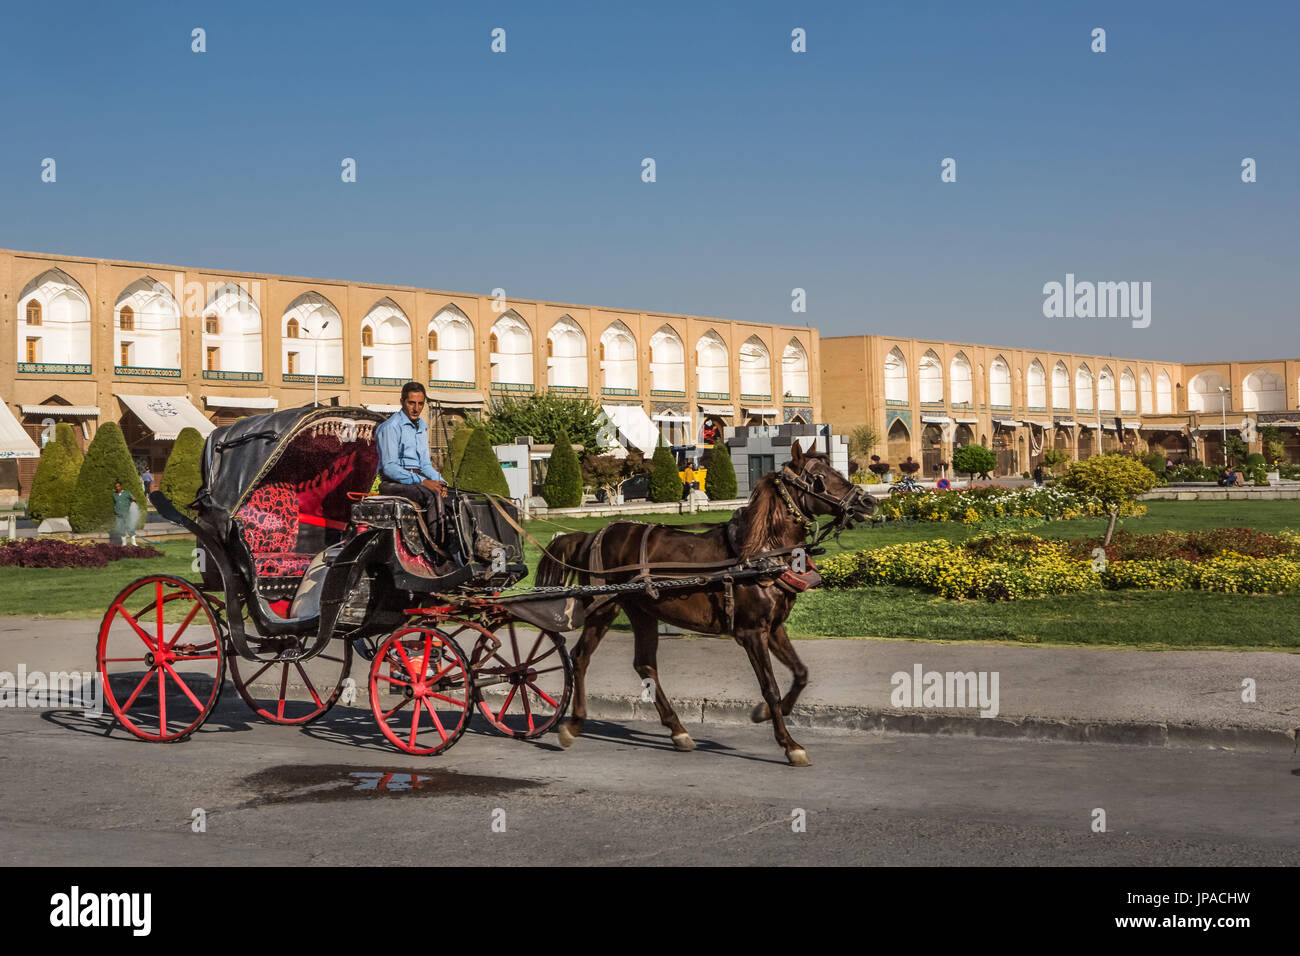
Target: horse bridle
x,y
842,507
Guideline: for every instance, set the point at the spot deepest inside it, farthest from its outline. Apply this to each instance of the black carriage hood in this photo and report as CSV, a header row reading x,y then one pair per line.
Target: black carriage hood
x,y
236,455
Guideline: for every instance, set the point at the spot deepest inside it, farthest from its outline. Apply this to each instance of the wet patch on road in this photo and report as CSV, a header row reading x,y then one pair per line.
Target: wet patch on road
x,y
319,783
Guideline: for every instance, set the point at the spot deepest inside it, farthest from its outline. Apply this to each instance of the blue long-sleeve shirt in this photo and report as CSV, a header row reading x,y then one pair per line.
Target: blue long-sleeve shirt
x,y
404,450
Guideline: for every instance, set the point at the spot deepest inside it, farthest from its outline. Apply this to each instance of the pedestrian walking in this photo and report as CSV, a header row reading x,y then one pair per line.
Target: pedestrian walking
x,y
122,502
147,477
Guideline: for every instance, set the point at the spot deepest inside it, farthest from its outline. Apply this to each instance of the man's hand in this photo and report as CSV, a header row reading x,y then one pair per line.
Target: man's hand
x,y
438,486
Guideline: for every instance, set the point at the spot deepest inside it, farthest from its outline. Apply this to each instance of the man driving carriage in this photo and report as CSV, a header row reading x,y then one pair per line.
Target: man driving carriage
x,y
405,468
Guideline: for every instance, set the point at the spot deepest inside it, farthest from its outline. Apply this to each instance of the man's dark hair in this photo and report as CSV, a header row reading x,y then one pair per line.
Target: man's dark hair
x,y
411,387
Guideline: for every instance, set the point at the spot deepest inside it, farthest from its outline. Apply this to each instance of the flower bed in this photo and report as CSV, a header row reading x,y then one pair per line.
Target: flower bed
x,y
57,553
1012,566
973,506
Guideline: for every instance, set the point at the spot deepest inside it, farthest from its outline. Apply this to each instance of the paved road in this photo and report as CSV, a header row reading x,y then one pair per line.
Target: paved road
x,y
71,795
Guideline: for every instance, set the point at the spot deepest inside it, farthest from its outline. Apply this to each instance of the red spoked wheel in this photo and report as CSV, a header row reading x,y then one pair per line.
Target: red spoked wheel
x,y
293,691
161,658
522,682
419,690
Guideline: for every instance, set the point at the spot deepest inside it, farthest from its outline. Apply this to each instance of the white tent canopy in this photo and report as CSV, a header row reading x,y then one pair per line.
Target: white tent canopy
x,y
634,425
14,441
62,411
240,401
166,415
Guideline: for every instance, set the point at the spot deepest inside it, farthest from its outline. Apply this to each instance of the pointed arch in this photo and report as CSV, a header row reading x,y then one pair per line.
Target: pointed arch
x,y
1106,390
1128,398
566,354
667,360
1060,386
794,371
1083,388
929,378
1036,387
618,357
895,376
755,368
959,379
61,333
1203,393
319,349
232,332
1263,390
999,382
512,350
712,367
1164,394
147,333
388,354
450,341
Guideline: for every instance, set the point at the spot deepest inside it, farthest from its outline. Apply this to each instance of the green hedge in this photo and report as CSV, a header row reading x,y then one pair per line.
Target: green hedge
x,y
479,469
665,482
107,460
720,477
563,485
182,474
53,486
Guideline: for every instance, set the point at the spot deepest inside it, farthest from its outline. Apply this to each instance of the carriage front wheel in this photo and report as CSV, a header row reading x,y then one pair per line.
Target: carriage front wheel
x,y
161,658
523,680
420,691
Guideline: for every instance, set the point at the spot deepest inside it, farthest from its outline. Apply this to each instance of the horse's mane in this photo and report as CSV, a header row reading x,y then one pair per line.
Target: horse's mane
x,y
766,514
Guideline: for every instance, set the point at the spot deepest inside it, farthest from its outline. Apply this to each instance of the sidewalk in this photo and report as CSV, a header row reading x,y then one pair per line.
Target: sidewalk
x,y
1154,698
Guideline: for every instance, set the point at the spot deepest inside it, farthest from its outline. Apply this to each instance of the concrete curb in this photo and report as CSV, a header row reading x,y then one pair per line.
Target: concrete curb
x,y
871,720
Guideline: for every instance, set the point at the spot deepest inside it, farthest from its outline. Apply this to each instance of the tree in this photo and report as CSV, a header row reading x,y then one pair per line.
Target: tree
x,y
973,460
1053,458
543,415
665,482
610,473
563,485
54,483
1237,450
107,460
862,442
182,474
720,479
479,469
1274,443
1113,478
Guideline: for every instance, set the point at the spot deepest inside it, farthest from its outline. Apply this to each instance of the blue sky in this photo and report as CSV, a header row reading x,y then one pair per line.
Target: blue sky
x,y
775,170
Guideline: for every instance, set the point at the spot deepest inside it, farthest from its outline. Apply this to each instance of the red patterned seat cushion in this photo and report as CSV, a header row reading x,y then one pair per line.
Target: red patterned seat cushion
x,y
269,520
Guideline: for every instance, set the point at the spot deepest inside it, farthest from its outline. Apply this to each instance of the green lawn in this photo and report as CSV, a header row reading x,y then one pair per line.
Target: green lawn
x,y
1184,618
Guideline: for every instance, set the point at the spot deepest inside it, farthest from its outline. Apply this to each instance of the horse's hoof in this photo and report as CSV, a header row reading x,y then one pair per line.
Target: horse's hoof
x,y
760,713
567,736
683,742
798,757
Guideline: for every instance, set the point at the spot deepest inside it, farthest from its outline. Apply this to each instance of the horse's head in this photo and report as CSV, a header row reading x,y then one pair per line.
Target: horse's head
x,y
819,489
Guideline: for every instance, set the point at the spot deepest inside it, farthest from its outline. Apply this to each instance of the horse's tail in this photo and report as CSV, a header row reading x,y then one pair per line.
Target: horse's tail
x,y
561,558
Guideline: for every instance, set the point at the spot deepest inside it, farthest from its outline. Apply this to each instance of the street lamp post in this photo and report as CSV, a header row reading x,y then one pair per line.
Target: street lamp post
x,y
1223,407
315,364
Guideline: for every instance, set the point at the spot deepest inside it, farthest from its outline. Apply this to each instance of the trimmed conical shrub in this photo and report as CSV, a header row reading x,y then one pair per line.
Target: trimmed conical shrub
x,y
720,479
563,485
182,476
479,469
456,447
53,485
107,460
65,436
665,482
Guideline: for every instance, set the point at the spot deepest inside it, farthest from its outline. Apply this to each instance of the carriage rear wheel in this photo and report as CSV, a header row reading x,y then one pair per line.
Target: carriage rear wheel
x,y
293,691
523,685
161,658
420,691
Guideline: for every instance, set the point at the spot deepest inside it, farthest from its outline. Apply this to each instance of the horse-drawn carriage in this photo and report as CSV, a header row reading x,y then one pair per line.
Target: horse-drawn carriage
x,y
298,569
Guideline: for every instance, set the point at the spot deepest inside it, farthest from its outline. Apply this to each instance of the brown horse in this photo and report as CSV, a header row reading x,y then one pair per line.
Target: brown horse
x,y
779,517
